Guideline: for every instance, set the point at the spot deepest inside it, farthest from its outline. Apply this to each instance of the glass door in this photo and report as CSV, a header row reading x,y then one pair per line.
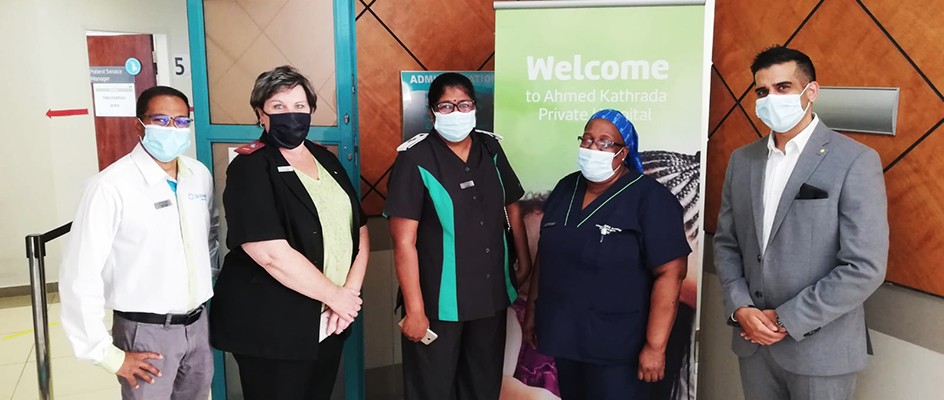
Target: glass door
x,y
231,43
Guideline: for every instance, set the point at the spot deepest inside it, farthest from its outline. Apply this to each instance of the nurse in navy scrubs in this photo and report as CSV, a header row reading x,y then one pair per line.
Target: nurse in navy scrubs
x,y
611,260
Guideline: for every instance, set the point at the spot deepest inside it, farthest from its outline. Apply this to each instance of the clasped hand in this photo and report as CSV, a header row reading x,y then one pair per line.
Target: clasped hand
x,y
759,326
344,305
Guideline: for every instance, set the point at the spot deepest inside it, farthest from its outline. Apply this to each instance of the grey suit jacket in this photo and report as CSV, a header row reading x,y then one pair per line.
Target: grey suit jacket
x,y
826,254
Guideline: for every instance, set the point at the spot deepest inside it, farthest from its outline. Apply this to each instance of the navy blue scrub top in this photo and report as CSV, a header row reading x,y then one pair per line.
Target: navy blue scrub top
x,y
596,266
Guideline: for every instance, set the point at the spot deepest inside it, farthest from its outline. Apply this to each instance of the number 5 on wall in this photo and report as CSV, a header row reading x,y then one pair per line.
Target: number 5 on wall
x,y
181,65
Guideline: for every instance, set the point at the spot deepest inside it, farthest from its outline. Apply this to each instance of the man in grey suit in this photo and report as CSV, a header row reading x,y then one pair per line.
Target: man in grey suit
x,y
801,243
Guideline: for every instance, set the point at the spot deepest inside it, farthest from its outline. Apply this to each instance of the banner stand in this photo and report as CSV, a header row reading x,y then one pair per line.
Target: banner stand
x,y
558,62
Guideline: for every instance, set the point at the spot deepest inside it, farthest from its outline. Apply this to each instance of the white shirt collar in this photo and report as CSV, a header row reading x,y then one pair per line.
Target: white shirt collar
x,y
151,170
797,143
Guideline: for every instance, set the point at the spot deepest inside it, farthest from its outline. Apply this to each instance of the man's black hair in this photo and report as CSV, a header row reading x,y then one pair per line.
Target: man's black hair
x,y
779,55
144,100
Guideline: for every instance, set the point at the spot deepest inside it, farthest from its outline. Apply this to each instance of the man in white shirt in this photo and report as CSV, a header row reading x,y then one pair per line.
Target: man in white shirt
x,y
801,242
144,244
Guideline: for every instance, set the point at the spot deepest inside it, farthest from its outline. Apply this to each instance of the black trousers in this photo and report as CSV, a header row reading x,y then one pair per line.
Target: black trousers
x,y
464,363
267,379
585,381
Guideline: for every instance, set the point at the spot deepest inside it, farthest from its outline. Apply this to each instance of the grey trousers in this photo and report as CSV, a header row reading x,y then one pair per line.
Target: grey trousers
x,y
187,366
763,379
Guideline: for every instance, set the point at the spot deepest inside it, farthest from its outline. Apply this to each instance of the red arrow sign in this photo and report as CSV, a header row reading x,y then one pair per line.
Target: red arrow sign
x,y
66,113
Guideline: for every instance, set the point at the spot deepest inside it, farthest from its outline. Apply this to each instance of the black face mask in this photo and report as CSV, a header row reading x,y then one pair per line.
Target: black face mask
x,y
288,130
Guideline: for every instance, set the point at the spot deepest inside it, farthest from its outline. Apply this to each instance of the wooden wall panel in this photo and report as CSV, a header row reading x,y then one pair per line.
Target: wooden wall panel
x,y
733,133
852,44
915,215
916,26
862,56
489,65
371,201
443,34
744,26
379,60
722,101
395,35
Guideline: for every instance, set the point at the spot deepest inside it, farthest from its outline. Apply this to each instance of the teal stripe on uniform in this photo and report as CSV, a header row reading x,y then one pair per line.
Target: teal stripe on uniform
x,y
442,202
512,293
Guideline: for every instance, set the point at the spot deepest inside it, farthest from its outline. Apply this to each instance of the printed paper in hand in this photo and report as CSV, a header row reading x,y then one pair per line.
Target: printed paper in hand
x,y
323,327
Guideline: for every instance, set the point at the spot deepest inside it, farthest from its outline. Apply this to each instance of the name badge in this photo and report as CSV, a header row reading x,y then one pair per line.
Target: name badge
x,y
466,185
286,168
161,204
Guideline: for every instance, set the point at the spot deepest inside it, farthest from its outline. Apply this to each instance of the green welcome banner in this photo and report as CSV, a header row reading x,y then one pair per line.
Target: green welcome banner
x,y
558,62
556,67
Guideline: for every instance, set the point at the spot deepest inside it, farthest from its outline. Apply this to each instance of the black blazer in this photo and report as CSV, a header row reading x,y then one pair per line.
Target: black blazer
x,y
252,313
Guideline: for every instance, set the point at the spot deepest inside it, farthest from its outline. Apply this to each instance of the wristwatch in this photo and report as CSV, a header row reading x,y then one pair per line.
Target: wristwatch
x,y
780,322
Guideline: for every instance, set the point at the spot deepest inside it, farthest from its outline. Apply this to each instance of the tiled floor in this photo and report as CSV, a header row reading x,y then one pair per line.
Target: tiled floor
x,y
72,379
78,380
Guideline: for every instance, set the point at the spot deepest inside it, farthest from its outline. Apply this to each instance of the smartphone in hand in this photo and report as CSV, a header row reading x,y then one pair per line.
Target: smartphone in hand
x,y
430,335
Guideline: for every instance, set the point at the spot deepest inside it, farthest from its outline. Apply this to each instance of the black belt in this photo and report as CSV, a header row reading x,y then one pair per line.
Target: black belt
x,y
162,319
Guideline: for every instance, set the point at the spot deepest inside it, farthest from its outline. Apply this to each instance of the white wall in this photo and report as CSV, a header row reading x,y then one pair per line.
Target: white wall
x,y
45,66
900,370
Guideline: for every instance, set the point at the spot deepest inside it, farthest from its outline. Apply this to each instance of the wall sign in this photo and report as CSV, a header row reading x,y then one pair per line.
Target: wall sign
x,y
415,84
113,91
133,66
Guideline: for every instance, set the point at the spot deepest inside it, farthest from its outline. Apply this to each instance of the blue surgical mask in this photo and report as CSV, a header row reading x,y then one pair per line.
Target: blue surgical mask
x,y
781,112
165,143
455,126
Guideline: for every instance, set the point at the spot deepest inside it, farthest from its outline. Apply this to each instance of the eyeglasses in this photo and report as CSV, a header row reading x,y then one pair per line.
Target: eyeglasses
x,y
463,106
163,120
602,144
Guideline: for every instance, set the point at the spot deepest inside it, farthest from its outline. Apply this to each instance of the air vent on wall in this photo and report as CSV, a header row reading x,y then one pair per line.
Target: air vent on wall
x,y
858,109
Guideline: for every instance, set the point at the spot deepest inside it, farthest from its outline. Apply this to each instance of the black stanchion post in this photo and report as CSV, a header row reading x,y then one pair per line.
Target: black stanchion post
x,y
36,253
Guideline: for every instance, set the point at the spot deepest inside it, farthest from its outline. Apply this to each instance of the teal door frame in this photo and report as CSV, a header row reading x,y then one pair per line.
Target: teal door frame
x,y
344,136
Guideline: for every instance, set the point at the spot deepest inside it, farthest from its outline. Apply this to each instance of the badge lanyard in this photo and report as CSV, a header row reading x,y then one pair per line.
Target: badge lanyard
x,y
567,218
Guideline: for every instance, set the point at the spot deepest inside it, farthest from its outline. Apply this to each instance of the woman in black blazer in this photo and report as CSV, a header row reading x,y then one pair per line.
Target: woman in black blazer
x,y
298,251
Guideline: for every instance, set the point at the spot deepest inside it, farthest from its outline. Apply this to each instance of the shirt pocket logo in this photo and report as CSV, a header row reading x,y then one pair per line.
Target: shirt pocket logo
x,y
606,229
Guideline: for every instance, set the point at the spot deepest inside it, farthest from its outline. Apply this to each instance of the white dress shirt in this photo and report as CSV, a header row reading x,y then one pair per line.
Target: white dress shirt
x,y
779,168
135,246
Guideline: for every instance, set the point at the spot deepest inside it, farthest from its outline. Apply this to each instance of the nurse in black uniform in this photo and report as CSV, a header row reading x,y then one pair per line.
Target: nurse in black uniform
x,y
298,245
611,260
447,199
